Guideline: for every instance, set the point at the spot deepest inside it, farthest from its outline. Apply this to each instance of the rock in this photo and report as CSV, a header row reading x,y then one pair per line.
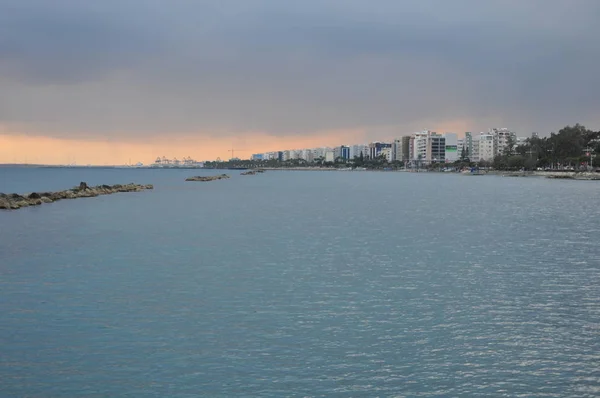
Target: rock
x,y
248,173
207,178
5,204
16,201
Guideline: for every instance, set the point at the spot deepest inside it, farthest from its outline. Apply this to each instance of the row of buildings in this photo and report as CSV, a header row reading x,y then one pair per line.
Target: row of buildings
x,y
421,147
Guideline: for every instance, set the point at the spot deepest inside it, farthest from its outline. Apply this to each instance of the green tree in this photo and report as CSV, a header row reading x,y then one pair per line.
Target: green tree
x,y
510,145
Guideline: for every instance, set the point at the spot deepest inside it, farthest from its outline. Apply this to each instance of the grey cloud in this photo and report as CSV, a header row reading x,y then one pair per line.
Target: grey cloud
x,y
144,67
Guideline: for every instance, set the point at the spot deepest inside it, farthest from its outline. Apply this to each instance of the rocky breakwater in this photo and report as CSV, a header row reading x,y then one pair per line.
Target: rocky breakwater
x,y
248,173
208,178
587,176
15,201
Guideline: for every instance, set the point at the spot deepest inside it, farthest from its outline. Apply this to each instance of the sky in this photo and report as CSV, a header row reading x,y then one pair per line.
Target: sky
x,y
113,81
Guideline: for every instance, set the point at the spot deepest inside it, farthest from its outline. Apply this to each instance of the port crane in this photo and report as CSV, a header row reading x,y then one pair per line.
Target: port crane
x,y
233,152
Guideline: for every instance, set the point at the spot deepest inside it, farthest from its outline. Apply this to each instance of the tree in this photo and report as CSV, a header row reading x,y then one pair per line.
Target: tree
x,y
510,145
463,153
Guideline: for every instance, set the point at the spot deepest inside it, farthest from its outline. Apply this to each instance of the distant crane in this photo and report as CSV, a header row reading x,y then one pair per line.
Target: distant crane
x,y
233,152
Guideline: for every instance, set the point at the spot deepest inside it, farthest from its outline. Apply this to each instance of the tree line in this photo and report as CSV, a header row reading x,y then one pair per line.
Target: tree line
x,y
572,148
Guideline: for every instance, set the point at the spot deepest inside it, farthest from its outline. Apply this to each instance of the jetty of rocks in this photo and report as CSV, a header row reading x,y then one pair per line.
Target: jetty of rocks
x,y
15,201
207,178
575,176
248,173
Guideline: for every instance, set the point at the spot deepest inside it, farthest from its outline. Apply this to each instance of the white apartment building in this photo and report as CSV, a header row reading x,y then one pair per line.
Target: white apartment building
x,y
307,155
501,137
319,153
329,156
355,150
486,147
420,145
474,157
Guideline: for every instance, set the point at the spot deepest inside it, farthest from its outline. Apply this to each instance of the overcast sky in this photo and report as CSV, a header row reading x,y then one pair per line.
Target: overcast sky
x,y
131,69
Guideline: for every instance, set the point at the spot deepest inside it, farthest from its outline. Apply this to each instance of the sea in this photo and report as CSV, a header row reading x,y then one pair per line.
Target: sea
x,y
300,284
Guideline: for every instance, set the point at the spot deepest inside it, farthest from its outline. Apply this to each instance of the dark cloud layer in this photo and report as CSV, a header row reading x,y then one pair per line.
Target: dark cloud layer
x,y
144,67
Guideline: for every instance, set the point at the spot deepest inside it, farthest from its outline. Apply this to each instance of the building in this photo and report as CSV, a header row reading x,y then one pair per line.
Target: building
x,y
258,156
405,149
469,145
400,149
356,150
337,152
436,148
345,150
420,145
474,155
451,151
341,152
386,153
502,137
329,156
396,149
307,155
487,150
376,147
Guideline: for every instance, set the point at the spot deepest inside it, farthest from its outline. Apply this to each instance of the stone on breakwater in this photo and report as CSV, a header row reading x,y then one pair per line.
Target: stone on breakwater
x,y
207,178
248,173
15,201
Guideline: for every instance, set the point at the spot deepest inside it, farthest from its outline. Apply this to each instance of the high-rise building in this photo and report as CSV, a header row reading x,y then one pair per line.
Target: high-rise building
x,y
376,147
436,148
405,149
386,153
451,151
356,150
502,137
469,145
345,151
307,155
397,150
420,145
486,147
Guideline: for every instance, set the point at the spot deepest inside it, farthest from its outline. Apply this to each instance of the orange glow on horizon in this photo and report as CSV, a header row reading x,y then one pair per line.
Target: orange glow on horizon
x,y
56,151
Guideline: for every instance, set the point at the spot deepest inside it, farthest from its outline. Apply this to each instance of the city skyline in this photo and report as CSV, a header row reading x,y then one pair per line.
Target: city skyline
x,y
112,82
80,154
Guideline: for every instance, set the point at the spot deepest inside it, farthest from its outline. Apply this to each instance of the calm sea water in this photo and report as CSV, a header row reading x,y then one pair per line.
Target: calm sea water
x,y
309,284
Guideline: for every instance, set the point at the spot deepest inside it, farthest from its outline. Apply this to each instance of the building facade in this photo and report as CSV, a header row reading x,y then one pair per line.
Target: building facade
x,y
451,151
